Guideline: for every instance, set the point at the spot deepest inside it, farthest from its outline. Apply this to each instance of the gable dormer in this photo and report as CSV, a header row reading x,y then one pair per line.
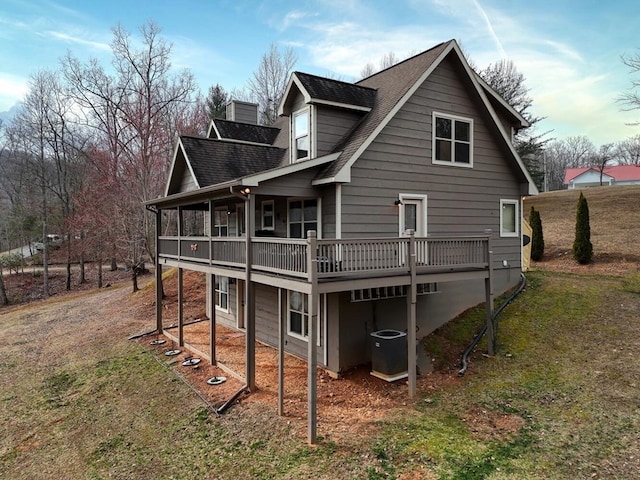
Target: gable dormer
x,y
321,112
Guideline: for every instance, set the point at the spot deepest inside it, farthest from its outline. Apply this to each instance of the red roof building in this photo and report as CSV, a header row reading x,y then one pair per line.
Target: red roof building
x,y
590,176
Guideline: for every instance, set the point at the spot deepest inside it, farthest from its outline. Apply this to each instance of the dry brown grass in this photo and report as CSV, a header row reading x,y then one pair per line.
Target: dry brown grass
x,y
614,214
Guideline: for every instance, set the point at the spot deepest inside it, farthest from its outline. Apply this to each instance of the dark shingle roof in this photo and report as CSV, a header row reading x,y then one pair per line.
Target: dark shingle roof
x,y
246,132
391,85
217,161
320,88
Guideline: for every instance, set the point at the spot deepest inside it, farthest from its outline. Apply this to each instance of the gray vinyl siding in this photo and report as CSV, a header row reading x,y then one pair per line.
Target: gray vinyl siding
x,y
332,124
267,328
242,112
358,320
459,200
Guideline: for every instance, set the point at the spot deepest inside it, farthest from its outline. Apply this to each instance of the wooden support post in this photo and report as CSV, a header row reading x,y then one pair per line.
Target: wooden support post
x,y
159,288
488,289
212,321
411,317
249,292
282,317
180,309
312,353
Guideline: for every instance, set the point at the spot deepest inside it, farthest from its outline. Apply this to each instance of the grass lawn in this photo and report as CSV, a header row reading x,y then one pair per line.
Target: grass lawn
x,y
558,401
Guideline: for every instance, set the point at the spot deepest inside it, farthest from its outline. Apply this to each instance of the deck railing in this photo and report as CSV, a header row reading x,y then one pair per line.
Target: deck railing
x,y
333,258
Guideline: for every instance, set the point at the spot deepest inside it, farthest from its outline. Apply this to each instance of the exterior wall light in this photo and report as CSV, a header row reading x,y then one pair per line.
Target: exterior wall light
x,y
397,203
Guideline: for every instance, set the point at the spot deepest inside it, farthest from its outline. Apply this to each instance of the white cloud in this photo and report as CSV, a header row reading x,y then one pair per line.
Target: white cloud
x,y
345,48
12,90
76,39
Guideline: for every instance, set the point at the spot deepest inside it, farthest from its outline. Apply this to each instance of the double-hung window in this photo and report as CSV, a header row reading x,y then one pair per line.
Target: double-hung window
x,y
298,315
298,321
303,216
509,218
452,140
301,135
222,293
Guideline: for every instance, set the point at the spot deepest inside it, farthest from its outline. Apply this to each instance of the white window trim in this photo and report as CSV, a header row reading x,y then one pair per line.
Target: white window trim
x,y
221,292
412,196
433,140
516,203
273,215
318,214
293,149
322,318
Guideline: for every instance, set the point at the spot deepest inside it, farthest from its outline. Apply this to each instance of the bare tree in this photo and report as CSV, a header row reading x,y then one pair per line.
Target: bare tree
x,y
628,151
631,99
28,133
571,152
270,80
389,59
603,156
134,115
509,83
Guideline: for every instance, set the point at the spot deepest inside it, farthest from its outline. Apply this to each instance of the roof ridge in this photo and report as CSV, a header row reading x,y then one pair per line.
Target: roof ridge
x,y
351,84
412,57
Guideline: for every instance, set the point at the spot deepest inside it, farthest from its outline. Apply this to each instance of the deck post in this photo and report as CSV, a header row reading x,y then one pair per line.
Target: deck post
x,y
282,317
488,289
180,309
411,314
312,353
158,272
212,321
249,296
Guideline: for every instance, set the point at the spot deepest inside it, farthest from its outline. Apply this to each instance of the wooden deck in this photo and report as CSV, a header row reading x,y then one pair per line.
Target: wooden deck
x,y
332,260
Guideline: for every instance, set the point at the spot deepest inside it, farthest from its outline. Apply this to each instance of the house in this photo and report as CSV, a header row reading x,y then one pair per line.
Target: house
x,y
389,203
590,176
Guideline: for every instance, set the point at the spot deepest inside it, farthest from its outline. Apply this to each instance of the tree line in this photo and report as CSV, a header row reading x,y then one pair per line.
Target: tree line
x,y
92,142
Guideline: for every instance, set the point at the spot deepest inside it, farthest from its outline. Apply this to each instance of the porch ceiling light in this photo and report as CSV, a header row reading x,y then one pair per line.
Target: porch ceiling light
x,y
245,191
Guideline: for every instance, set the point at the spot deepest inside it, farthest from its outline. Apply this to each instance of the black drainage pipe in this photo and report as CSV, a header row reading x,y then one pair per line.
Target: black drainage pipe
x,y
494,316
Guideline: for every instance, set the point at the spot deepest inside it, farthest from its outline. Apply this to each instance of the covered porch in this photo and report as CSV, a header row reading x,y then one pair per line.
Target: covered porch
x,y
318,266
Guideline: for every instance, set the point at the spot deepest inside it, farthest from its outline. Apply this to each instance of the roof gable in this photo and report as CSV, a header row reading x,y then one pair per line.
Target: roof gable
x,y
619,173
327,91
180,173
395,86
213,161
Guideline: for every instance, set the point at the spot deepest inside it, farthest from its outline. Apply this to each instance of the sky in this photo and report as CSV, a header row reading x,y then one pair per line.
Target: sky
x,y
569,51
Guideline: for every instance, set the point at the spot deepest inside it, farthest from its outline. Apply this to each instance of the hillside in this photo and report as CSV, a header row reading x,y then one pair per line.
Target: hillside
x,y
614,214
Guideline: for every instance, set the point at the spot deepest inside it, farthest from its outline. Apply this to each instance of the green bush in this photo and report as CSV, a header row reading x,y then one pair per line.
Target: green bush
x,y
582,247
537,237
12,261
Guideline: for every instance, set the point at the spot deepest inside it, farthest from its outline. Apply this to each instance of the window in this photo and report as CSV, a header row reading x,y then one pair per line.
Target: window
x,y
303,216
509,218
300,136
298,322
298,315
222,293
452,140
267,215
220,222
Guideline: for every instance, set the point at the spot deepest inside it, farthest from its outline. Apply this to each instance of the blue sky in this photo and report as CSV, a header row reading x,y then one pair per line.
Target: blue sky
x,y
568,50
